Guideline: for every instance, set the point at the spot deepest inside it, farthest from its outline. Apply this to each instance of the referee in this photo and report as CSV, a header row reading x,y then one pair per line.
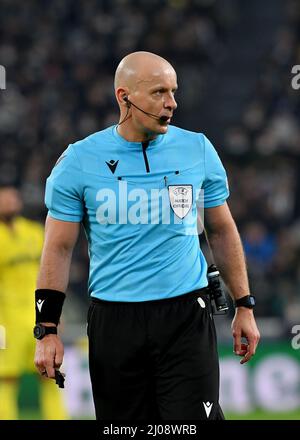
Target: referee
x,y
136,188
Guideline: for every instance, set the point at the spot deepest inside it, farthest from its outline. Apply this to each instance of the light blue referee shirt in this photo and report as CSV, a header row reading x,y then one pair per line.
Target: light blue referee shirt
x,y
138,204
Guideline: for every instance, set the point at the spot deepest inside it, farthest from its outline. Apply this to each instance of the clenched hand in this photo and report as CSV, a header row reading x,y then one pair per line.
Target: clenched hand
x,y
49,355
244,325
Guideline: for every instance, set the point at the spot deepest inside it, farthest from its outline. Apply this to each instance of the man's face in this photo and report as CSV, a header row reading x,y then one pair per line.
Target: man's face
x,y
154,93
10,203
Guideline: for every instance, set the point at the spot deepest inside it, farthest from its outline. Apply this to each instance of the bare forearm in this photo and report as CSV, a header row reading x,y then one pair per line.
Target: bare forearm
x,y
229,256
60,239
54,269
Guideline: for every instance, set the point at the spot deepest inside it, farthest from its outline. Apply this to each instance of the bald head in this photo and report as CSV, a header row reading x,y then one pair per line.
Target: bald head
x,y
140,67
145,85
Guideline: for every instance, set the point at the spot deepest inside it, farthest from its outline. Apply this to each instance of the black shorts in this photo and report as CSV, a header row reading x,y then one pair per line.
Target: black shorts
x,y
154,360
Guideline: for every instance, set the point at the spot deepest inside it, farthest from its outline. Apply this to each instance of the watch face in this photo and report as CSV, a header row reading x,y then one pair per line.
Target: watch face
x,y
252,300
38,331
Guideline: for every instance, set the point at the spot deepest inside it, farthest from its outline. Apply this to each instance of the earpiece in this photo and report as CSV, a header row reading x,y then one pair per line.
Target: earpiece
x,y
128,103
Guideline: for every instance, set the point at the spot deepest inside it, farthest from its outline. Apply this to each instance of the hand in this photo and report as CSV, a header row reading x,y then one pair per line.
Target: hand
x,y
49,355
244,325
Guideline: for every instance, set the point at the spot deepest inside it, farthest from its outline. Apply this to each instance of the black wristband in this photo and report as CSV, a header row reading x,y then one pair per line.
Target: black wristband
x,y
48,305
246,301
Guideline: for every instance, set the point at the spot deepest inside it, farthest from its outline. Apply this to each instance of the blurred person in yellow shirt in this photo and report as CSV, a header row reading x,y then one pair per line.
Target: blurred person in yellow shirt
x,y
21,243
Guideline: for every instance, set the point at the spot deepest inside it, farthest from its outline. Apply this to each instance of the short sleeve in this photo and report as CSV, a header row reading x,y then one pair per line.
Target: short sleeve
x,y
215,185
64,192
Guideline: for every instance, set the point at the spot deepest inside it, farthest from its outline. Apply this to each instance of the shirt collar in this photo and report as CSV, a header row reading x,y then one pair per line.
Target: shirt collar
x,y
127,144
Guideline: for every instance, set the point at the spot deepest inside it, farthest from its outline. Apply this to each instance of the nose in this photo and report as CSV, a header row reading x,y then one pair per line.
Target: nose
x,y
170,102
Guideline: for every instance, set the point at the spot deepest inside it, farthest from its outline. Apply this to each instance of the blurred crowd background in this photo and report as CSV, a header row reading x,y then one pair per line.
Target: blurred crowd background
x,y
233,61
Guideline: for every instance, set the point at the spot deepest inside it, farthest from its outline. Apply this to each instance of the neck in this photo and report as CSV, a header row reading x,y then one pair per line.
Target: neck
x,y
131,135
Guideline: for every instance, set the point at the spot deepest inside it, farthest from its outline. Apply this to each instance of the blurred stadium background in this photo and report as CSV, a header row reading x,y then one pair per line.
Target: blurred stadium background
x,y
234,61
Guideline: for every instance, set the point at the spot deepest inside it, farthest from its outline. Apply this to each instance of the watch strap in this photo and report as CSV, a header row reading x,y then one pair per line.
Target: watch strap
x,y
40,331
246,301
50,330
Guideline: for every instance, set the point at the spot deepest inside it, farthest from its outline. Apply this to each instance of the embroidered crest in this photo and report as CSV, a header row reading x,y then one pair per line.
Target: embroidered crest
x,y
181,199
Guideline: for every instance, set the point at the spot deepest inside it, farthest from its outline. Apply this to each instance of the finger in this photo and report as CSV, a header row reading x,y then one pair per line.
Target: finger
x,y
243,350
39,365
250,351
237,342
58,358
49,357
50,372
42,371
50,369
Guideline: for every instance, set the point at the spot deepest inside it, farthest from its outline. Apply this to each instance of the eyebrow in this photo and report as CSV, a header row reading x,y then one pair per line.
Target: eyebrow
x,y
160,87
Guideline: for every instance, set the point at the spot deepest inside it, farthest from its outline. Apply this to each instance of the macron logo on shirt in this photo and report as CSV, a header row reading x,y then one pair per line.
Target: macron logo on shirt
x,y
207,407
39,304
112,165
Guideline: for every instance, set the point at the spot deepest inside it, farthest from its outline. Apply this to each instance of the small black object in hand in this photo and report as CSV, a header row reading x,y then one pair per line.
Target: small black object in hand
x,y
59,379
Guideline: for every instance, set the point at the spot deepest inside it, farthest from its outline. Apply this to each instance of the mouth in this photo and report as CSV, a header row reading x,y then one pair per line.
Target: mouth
x,y
165,119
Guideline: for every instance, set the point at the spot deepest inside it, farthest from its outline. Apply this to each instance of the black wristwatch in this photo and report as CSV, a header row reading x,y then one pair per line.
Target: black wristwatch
x,y
246,301
39,331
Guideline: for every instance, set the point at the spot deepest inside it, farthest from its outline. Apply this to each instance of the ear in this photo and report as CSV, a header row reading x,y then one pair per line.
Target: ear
x,y
122,93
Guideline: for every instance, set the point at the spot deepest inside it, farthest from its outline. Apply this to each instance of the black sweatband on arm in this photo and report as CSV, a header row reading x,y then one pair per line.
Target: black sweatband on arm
x,y
48,305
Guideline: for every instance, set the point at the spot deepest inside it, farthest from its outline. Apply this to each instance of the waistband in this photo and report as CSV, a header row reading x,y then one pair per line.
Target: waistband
x,y
189,295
